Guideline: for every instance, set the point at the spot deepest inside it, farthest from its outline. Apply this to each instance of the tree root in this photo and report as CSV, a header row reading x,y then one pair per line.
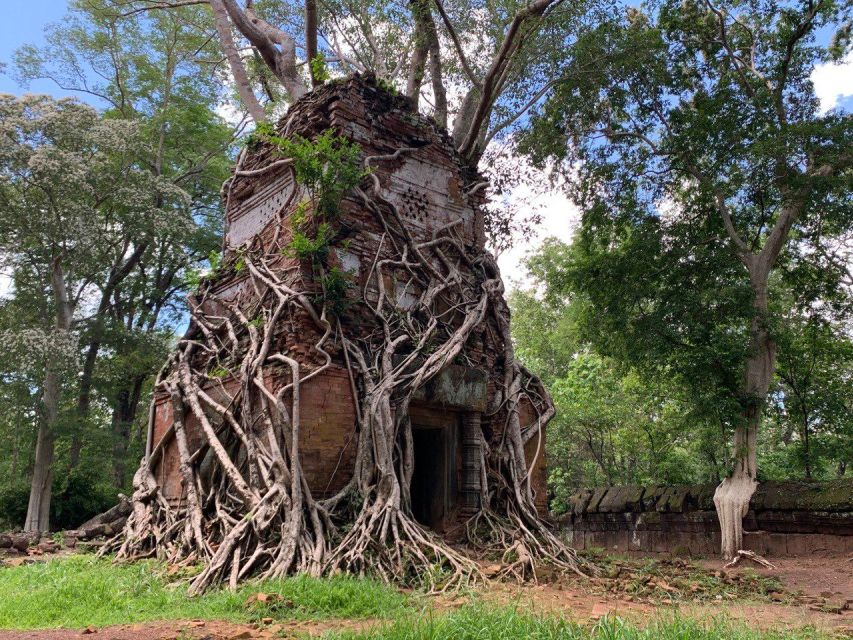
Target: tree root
x,y
247,508
742,554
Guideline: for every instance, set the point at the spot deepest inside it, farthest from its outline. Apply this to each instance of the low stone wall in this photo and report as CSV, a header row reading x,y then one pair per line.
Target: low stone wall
x,y
785,518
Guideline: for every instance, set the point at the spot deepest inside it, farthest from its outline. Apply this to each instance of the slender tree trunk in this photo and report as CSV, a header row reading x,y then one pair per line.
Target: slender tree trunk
x,y
13,470
124,415
807,454
38,509
238,69
439,93
734,493
417,64
311,37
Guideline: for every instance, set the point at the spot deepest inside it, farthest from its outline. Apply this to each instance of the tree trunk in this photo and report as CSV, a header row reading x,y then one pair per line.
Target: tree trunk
x,y
732,496
807,454
417,64
311,38
124,414
38,508
238,69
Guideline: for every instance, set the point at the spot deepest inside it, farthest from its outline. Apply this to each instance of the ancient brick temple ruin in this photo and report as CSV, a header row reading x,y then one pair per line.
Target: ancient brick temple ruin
x,y
458,413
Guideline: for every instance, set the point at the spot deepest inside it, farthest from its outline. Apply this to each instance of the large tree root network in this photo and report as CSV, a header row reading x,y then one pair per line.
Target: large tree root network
x,y
247,508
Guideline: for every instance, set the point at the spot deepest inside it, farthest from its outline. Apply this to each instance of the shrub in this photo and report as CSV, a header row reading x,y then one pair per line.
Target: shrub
x,y
13,503
79,496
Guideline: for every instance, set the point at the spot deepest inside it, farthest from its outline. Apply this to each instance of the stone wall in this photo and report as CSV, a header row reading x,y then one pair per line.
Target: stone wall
x,y
785,518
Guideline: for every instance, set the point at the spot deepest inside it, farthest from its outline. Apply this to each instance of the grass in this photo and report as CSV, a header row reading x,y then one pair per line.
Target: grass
x,y
81,590
474,622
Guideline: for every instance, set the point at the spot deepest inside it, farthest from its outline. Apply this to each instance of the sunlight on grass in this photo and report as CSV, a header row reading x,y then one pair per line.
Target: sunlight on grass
x,y
476,623
82,590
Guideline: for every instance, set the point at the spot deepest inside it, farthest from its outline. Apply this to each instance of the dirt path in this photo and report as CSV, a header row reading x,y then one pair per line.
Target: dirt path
x,y
816,592
196,629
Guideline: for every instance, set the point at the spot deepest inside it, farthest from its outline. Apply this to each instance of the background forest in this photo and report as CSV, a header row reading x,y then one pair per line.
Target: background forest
x,y
640,327
626,418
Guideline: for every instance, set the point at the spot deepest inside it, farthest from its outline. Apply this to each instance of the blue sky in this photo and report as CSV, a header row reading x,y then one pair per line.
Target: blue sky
x,y
26,27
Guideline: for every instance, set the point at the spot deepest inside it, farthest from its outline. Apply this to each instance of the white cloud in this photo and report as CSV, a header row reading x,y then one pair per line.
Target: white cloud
x,y
6,286
231,112
832,82
560,218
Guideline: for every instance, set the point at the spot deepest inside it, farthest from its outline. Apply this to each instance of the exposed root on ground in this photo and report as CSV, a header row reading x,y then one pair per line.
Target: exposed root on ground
x,y
248,509
743,554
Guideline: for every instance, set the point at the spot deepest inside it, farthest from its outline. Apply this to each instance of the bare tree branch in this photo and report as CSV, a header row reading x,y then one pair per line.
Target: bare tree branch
x,y
472,77
238,70
467,147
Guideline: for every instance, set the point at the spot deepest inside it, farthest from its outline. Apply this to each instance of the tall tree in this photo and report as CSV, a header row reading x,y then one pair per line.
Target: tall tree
x,y
149,69
811,399
72,194
703,153
615,422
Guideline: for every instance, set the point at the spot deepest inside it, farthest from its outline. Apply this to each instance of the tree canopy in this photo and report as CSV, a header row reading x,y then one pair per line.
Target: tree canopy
x,y
715,193
105,214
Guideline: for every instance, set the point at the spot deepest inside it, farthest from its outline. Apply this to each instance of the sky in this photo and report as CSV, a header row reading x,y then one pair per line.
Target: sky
x,y
833,84
24,23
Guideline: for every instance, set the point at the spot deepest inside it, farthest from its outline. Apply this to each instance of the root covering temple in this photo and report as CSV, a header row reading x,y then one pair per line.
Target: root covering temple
x,y
346,397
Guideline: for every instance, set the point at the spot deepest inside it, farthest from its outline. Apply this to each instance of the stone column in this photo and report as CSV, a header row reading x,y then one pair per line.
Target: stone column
x,y
472,435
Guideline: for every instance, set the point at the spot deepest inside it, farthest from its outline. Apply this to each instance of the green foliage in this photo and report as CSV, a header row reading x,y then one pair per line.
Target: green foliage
x,y
82,590
143,173
616,423
14,496
482,622
315,248
215,260
262,132
319,71
687,165
78,496
335,284
328,167
810,416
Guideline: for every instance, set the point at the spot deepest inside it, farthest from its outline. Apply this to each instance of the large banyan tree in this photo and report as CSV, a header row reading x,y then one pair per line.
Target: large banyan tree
x,y
346,397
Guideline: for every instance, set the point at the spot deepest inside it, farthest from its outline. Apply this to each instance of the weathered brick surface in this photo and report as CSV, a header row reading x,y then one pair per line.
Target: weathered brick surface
x,y
785,518
430,189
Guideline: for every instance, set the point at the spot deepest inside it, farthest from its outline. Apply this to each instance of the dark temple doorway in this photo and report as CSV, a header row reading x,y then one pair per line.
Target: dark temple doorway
x,y
430,478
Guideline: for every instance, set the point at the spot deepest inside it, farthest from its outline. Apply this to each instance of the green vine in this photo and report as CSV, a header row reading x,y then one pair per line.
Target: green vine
x,y
319,71
328,167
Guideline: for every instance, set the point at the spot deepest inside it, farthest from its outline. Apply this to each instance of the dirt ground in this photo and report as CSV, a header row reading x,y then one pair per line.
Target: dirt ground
x,y
812,592
815,592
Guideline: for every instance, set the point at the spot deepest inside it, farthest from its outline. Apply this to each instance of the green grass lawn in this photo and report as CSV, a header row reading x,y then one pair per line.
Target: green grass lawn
x,y
474,622
81,590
